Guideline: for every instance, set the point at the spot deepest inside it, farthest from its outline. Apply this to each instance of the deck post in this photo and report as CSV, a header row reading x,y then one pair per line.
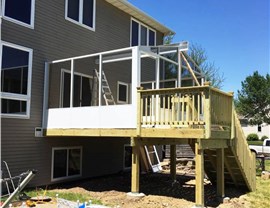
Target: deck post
x,y
199,161
220,173
207,111
173,161
135,172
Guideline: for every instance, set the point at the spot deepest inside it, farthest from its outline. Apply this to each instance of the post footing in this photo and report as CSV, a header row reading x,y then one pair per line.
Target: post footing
x,y
133,195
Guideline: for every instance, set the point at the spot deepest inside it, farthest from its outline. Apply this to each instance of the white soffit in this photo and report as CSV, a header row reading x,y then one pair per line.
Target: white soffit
x,y
138,14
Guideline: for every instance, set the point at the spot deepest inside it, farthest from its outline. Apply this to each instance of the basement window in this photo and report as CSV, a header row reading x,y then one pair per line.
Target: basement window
x,y
122,92
141,34
19,11
66,162
81,12
16,74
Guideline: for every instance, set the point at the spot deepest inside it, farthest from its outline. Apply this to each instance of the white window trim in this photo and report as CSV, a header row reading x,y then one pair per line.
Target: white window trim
x,y
52,163
62,83
139,31
124,167
14,96
32,21
81,15
122,83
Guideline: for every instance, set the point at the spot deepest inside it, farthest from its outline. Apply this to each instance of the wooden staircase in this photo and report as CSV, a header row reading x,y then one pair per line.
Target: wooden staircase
x,y
239,161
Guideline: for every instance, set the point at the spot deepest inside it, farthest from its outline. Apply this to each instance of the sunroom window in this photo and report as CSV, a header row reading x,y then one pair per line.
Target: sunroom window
x,y
66,162
20,11
122,92
82,90
81,12
16,71
142,34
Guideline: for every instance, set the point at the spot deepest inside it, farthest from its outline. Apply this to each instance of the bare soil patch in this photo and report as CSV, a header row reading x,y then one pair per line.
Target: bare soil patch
x,y
159,189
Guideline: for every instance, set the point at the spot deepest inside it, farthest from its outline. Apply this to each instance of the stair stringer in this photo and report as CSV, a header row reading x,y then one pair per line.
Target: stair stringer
x,y
244,157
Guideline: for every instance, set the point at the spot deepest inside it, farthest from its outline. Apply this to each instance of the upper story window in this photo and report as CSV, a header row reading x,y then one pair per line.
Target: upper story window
x,y
142,34
19,11
81,12
16,74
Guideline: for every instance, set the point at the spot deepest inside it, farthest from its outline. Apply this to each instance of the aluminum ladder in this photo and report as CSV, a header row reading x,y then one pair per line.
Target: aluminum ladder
x,y
105,88
153,158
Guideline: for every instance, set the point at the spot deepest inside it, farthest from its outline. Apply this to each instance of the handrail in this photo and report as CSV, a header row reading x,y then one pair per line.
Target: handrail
x,y
246,158
202,106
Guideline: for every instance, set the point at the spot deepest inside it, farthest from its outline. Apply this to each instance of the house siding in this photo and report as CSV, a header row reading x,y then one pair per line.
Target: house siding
x,y
54,37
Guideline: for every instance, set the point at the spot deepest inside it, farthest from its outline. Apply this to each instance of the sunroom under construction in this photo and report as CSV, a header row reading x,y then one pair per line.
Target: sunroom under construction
x,y
155,96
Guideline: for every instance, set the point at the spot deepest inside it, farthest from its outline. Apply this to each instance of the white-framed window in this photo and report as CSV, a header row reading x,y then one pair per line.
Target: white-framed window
x,y
81,12
66,163
259,128
82,89
141,34
19,11
127,156
122,92
16,76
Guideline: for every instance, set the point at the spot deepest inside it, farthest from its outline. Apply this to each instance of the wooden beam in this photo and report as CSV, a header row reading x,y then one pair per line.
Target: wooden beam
x,y
199,161
220,173
226,134
172,133
173,161
213,143
190,69
91,132
135,166
161,141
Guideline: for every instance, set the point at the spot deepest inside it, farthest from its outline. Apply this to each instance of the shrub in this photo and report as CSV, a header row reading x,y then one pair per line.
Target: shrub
x,y
264,137
253,137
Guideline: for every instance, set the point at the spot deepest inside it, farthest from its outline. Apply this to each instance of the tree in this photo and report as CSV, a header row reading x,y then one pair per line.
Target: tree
x,y
198,54
254,99
212,73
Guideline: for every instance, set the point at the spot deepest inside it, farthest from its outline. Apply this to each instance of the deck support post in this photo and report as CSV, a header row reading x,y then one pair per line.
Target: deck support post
x,y
173,161
135,173
199,160
220,173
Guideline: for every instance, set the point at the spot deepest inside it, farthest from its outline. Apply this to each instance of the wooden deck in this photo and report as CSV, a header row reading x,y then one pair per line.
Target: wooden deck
x,y
202,117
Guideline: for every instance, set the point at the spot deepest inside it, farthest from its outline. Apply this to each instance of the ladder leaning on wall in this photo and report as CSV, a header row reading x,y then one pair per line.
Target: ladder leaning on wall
x,y
105,88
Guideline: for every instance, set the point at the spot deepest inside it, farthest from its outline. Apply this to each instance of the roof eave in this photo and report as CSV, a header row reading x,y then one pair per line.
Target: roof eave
x,y
135,12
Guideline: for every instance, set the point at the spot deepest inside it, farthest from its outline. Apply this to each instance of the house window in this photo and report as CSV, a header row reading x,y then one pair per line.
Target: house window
x,y
16,74
81,12
66,162
142,34
127,156
20,11
122,92
82,91
259,128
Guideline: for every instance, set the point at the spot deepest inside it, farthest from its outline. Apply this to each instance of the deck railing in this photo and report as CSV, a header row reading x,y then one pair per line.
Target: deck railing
x,y
245,157
186,107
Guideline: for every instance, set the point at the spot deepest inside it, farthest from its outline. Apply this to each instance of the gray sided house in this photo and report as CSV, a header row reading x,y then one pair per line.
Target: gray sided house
x,y
35,33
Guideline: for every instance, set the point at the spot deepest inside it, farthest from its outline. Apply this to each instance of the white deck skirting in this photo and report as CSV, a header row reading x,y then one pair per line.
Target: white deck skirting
x,y
114,116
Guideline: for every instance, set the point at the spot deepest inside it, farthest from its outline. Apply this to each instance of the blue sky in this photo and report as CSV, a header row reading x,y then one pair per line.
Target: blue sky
x,y
234,33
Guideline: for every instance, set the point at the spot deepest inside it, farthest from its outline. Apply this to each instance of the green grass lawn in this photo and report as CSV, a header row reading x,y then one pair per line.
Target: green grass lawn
x,y
255,142
261,197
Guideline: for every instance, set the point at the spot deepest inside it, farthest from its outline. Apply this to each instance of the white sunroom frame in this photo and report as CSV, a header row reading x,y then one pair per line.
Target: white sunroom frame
x,y
103,116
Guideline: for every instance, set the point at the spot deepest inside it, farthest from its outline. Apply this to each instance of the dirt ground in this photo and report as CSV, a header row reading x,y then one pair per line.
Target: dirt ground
x,y
160,191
